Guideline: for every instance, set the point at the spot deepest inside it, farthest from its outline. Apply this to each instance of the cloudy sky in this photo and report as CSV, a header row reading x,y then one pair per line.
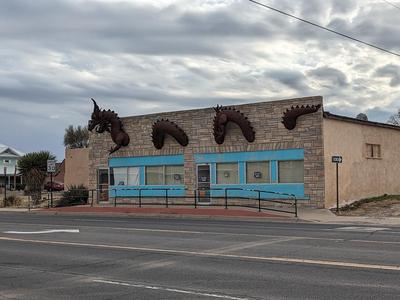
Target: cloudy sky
x,y
141,56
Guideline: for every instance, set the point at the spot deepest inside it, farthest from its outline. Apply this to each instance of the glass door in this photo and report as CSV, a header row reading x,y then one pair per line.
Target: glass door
x,y
203,183
102,185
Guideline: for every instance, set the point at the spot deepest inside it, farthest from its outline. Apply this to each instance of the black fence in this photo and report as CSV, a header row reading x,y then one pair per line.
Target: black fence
x,y
260,200
205,198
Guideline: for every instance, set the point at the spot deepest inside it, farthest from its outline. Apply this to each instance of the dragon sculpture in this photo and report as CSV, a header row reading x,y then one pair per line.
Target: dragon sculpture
x,y
229,114
290,115
107,120
163,127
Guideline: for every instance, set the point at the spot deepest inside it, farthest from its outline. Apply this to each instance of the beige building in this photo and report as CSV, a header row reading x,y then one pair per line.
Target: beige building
x,y
76,167
281,159
371,158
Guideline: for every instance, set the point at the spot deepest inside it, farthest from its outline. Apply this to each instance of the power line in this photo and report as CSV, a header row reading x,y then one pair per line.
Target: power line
x,y
325,28
392,4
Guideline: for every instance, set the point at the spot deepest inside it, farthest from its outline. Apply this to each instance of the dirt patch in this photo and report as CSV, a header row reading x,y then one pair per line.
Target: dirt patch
x,y
387,206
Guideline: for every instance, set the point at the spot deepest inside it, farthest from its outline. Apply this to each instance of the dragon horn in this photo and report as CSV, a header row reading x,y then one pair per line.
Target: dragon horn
x,y
96,107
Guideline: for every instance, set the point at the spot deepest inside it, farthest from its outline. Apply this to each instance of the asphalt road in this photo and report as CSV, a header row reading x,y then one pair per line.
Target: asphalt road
x,y
103,257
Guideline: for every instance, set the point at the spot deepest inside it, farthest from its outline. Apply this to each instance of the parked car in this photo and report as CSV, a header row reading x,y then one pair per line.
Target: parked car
x,y
55,187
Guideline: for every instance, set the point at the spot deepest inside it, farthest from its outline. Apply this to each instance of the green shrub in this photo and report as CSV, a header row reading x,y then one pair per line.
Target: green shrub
x,y
75,195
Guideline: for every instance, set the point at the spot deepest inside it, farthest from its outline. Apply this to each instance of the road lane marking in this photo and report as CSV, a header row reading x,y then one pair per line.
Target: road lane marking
x,y
248,245
160,288
43,231
233,234
218,255
253,234
361,229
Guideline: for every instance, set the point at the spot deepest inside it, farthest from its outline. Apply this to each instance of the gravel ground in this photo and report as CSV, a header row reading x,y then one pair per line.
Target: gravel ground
x,y
382,208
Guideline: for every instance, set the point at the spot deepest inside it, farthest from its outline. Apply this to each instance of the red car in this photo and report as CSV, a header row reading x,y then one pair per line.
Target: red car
x,y
55,187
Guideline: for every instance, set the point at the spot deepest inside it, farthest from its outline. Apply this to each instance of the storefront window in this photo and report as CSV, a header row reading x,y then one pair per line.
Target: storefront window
x,y
133,176
173,175
257,172
120,176
227,173
125,176
155,175
291,171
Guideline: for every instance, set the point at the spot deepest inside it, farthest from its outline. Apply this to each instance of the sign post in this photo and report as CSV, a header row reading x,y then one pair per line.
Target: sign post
x,y
336,159
5,186
51,168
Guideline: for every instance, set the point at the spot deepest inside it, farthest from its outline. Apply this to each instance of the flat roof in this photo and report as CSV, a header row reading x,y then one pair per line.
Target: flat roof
x,y
329,115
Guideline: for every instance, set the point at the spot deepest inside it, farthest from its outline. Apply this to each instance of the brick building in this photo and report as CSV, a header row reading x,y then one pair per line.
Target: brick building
x,y
295,161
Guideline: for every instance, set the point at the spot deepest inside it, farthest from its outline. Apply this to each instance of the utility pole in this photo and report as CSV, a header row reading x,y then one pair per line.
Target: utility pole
x,y
5,186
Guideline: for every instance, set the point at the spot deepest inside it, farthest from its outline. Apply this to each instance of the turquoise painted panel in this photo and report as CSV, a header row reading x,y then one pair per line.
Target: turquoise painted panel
x,y
142,176
213,170
147,191
247,190
242,172
146,161
274,171
287,154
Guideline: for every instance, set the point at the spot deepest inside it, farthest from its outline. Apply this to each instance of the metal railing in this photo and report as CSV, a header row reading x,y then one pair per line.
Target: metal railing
x,y
261,200
290,199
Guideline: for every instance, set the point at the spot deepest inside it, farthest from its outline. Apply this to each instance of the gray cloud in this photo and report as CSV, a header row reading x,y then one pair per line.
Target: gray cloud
x,y
333,76
391,71
136,58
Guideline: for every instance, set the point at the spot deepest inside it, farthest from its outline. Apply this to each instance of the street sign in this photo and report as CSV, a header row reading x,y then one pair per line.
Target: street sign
x,y
51,166
337,159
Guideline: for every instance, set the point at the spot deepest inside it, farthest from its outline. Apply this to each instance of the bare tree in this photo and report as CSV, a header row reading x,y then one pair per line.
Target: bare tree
x,y
395,119
362,116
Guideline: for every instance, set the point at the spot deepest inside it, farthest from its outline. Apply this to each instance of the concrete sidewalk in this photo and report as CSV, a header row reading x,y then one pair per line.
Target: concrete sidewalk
x,y
171,211
328,217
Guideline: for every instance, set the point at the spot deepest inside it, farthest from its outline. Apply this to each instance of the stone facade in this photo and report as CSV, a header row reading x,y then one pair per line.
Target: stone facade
x,y
266,119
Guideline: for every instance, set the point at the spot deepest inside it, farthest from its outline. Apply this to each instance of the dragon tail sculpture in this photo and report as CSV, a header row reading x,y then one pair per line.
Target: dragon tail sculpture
x,y
163,127
290,116
229,114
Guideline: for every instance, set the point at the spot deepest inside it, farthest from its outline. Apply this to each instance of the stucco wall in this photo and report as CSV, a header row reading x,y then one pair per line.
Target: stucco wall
x,y
360,177
76,167
266,119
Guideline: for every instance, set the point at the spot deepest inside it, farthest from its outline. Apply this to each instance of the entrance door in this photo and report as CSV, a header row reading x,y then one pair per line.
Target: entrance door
x,y
102,185
203,183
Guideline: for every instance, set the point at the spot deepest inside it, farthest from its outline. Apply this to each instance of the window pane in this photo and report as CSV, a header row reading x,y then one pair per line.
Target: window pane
x,y
291,171
173,175
155,175
257,172
120,176
133,176
227,173
376,150
369,150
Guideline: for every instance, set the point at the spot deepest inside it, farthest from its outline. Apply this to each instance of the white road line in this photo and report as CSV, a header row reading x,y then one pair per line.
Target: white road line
x,y
252,234
248,245
233,234
209,254
361,229
43,231
151,287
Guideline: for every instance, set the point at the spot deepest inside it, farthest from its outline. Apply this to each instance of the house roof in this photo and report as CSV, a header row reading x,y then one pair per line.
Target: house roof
x,y
9,151
329,115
